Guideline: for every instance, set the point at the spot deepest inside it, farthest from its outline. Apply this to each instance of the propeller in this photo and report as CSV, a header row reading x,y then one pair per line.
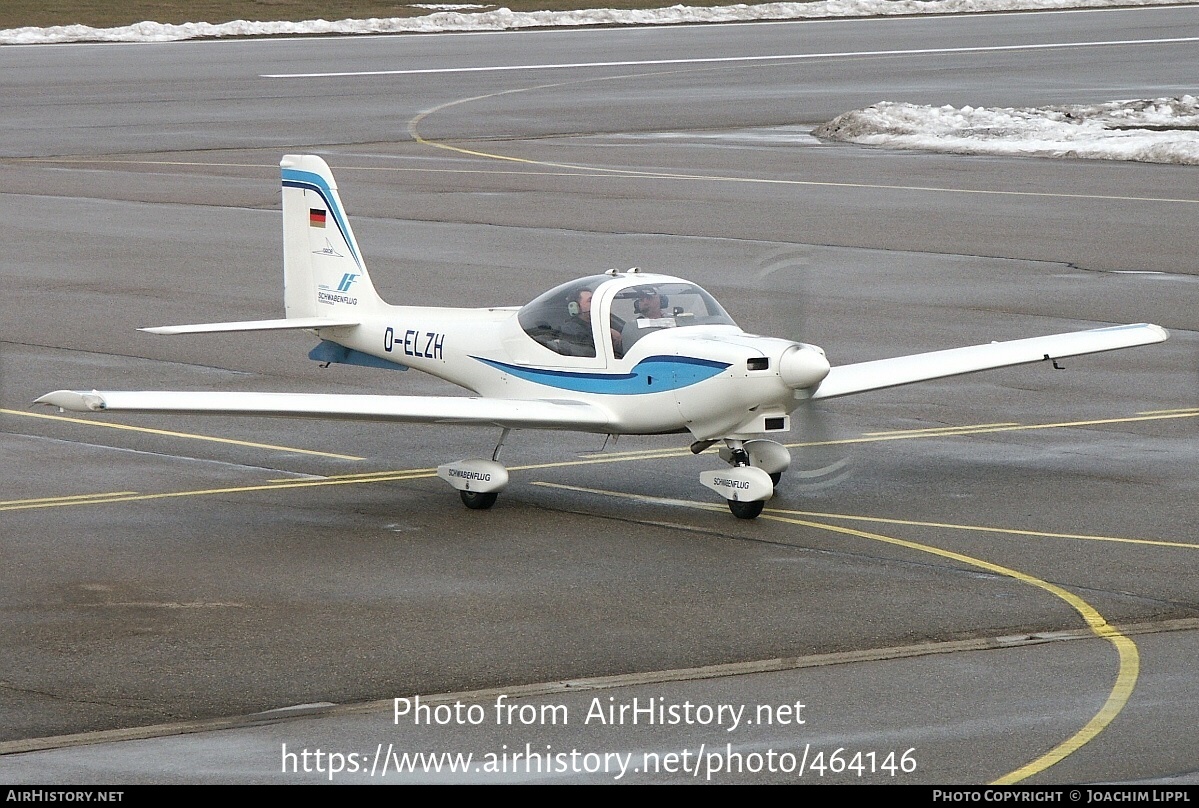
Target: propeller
x,y
784,280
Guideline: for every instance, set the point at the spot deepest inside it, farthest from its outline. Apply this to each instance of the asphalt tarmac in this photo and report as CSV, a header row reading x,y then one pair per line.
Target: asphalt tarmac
x,y
987,578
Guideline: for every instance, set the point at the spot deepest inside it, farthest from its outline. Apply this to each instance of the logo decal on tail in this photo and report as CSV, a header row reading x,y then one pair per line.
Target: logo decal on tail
x,y
332,297
324,295
328,250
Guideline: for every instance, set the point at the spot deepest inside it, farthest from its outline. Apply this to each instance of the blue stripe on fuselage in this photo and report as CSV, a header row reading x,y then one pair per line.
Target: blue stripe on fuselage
x,y
315,182
654,374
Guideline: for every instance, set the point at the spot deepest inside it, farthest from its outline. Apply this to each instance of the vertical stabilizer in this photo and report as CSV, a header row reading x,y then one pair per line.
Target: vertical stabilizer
x,y
324,274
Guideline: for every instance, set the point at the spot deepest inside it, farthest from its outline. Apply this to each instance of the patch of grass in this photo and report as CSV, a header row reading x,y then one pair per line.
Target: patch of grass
x,y
111,14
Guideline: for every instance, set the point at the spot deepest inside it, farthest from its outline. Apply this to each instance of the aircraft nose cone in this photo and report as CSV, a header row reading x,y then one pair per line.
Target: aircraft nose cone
x,y
803,366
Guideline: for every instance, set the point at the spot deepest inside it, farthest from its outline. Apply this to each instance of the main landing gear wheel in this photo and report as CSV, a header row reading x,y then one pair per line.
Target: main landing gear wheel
x,y
478,482
478,501
744,510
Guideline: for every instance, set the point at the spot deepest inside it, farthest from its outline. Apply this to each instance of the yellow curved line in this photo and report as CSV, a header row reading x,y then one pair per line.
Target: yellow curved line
x,y
1130,661
1126,649
1126,680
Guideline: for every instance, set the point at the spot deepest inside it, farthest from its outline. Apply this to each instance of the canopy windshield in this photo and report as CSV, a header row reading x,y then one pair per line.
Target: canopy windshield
x,y
561,319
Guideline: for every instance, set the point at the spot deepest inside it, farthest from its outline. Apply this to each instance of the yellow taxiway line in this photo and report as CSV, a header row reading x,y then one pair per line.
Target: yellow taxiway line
x,y
1001,530
1126,649
186,435
650,454
67,500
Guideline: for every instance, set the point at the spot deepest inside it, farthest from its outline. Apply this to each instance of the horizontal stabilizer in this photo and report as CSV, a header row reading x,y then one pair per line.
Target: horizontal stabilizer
x,y
508,413
882,373
292,323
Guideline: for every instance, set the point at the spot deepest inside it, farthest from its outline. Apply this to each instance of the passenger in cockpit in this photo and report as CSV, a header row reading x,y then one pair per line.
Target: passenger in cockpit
x,y
648,308
649,304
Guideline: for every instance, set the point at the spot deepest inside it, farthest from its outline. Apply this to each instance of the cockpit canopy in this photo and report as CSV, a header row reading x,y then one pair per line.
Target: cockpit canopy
x,y
561,319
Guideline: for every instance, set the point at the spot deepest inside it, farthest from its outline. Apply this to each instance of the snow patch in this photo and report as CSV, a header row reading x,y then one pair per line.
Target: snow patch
x,y
1161,130
504,19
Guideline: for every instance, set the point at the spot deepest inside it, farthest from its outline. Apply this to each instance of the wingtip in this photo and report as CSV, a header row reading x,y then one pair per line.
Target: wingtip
x,y
73,400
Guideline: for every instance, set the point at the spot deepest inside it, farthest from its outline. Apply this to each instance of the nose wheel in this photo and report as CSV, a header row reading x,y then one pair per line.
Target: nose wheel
x,y
478,500
746,510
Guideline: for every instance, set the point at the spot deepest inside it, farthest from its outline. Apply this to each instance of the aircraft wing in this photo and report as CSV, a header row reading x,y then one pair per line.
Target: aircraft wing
x,y
878,374
515,414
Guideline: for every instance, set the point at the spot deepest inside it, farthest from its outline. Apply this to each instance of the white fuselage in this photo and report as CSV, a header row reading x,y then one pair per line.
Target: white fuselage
x,y
697,379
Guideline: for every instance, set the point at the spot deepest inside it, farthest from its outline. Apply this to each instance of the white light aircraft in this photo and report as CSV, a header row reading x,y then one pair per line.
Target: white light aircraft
x,y
622,353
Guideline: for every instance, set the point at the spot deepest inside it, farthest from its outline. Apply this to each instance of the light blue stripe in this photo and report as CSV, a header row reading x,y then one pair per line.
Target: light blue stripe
x,y
655,374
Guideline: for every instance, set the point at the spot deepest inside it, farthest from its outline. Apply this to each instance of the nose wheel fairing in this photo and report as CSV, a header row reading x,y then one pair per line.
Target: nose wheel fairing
x,y
757,465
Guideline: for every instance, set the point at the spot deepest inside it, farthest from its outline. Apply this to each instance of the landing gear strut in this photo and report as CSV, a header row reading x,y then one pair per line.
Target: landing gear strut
x,y
740,508
745,486
768,455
